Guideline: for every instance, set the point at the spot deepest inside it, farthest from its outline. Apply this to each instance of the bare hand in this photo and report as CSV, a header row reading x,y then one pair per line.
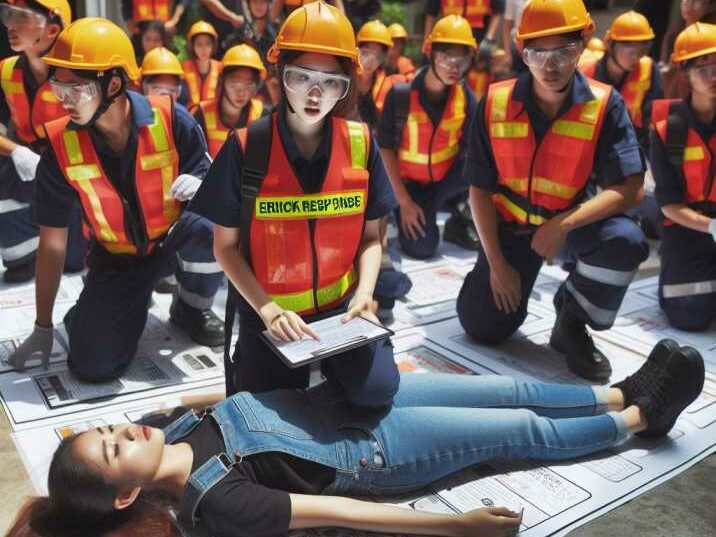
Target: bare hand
x,y
170,26
288,326
361,305
506,286
491,522
237,21
549,238
412,219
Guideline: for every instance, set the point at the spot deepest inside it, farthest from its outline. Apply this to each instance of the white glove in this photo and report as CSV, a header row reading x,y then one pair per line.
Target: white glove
x,y
185,186
712,228
25,161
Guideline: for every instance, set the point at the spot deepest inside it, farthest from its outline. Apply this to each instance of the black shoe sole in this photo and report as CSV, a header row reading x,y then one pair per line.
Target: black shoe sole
x,y
580,368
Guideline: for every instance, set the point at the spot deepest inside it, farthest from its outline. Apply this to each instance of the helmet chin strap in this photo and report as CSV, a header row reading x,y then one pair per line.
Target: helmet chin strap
x,y
435,71
613,56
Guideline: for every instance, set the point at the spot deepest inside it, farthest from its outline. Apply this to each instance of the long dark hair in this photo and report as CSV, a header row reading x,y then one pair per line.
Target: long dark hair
x,y
81,504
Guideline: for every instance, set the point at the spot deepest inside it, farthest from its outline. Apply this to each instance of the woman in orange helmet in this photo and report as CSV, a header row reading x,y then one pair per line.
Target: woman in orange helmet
x,y
162,74
395,61
201,70
316,251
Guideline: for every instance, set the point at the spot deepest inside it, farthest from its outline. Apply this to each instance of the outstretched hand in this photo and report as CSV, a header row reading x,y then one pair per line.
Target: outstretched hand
x,y
491,522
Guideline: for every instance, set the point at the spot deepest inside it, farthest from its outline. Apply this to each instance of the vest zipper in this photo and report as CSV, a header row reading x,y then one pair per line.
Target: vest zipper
x,y
314,255
430,152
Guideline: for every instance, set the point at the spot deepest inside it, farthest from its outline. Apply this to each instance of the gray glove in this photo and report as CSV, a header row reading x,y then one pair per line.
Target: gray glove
x,y
712,228
185,186
25,161
39,342
484,51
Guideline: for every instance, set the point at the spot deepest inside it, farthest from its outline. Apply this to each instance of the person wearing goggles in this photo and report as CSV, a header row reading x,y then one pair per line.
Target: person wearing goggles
x,y
424,154
236,105
162,74
681,155
26,102
546,140
291,253
130,162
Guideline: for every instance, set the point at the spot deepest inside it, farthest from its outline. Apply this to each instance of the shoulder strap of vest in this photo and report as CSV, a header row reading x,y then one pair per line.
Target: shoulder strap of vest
x,y
256,160
677,129
401,100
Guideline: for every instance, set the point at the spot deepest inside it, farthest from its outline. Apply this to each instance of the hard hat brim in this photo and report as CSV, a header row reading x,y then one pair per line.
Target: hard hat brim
x,y
558,31
273,53
675,58
64,64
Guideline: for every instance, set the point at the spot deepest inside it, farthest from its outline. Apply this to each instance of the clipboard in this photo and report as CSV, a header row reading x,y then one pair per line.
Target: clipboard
x,y
307,350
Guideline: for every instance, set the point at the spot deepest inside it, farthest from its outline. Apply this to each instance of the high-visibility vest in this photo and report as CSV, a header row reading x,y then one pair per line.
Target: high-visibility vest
x,y
216,131
304,247
382,85
106,210
147,10
697,160
27,118
474,11
201,90
478,82
635,87
428,151
538,181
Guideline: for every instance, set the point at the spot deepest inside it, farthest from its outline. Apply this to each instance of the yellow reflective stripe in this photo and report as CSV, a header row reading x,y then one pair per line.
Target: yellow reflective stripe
x,y
547,186
573,129
72,147
8,85
499,104
301,301
331,293
445,154
83,174
518,185
158,132
694,152
311,206
217,135
171,207
590,110
154,161
210,120
413,125
359,153
166,160
519,212
509,130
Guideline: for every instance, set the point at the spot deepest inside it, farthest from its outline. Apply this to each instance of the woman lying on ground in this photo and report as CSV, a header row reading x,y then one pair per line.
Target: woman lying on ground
x,y
260,465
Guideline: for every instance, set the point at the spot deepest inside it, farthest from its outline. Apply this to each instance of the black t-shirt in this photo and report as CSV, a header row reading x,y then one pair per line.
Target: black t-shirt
x,y
253,499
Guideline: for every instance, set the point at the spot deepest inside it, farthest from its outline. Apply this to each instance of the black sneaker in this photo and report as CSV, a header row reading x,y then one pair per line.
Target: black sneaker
x,y
680,383
638,384
203,326
21,273
462,232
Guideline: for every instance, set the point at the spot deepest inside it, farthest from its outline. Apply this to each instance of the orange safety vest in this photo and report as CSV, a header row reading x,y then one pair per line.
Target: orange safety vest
x,y
635,87
382,85
304,247
698,160
216,131
406,67
148,10
157,165
201,90
474,11
27,117
427,151
478,82
538,181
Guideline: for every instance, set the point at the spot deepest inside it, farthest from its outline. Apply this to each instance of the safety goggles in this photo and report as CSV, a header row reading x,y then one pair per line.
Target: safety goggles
x,y
21,17
633,49
333,86
559,57
162,89
705,72
241,87
73,93
448,61
369,55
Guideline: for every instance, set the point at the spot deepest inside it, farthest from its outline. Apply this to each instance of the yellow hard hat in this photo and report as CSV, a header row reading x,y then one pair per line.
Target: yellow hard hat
x,y
244,56
541,18
161,61
374,32
201,27
630,26
94,44
397,31
596,45
316,27
696,40
451,30
60,8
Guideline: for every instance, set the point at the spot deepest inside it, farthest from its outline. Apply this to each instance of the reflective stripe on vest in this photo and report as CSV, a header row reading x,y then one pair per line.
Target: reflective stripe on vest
x,y
147,10
473,10
382,85
301,270
697,166
426,152
27,119
201,90
157,165
216,131
536,183
635,88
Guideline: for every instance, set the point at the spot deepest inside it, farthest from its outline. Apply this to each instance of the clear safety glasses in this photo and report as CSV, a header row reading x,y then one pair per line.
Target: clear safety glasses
x,y
241,87
371,56
162,89
448,61
73,93
559,57
333,86
21,17
634,50
705,72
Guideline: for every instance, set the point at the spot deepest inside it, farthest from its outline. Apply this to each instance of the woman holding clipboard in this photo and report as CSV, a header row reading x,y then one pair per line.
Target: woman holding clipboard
x,y
296,199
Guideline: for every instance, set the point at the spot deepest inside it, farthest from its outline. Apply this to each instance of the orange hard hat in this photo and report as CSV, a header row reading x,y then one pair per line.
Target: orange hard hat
x,y
201,27
630,26
244,56
696,40
374,32
596,45
60,8
94,44
397,31
541,18
451,30
316,27
161,61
